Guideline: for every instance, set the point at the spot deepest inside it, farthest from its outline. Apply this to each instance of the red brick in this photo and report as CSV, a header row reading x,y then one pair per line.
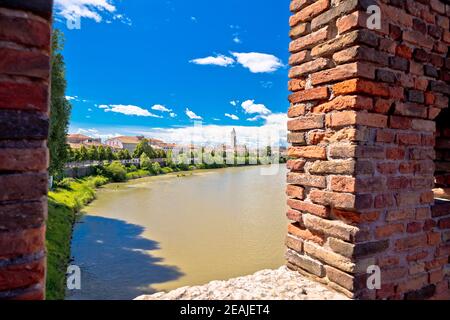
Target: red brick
x,y
344,103
22,242
334,199
361,86
23,96
23,159
25,31
310,152
293,191
296,165
23,275
26,186
309,95
306,207
24,63
305,234
343,184
388,230
309,12
306,122
308,41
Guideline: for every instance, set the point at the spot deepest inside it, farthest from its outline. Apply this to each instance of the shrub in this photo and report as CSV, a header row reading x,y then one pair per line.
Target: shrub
x,y
65,183
138,174
166,170
192,168
132,168
145,162
155,168
116,171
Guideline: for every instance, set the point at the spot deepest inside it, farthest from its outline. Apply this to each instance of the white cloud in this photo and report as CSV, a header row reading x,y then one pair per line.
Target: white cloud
x,y
250,107
234,103
192,115
70,98
194,19
172,114
236,39
256,118
273,129
89,109
258,62
89,9
129,110
219,60
158,107
103,106
232,116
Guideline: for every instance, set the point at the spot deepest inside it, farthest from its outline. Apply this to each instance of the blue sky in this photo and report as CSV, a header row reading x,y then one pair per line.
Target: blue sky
x,y
155,66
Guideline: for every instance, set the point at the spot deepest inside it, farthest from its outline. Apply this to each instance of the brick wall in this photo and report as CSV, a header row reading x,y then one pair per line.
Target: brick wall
x,y
442,161
362,128
25,31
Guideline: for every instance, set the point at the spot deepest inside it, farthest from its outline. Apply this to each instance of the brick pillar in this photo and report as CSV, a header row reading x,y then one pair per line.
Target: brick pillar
x,y
362,133
25,31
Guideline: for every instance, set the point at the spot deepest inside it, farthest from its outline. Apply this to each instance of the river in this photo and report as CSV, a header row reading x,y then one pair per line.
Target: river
x,y
161,233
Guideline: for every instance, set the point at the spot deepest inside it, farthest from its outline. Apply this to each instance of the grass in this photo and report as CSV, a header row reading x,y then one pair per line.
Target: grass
x,y
138,174
64,205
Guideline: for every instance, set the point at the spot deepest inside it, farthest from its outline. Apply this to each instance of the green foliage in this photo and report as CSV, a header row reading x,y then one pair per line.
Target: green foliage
x,y
144,162
132,168
155,168
166,170
63,207
116,171
65,183
83,154
60,108
92,153
138,174
144,147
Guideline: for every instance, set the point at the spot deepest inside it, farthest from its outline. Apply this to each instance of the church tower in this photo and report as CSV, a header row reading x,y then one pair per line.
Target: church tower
x,y
233,139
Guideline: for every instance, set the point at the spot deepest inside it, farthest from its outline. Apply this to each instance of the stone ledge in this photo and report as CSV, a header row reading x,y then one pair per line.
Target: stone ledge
x,y
279,284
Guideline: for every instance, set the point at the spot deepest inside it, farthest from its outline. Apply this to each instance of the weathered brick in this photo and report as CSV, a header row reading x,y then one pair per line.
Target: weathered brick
x,y
335,199
329,257
309,152
307,207
306,122
334,166
309,95
306,263
306,180
354,86
309,40
343,184
309,12
344,103
332,228
309,67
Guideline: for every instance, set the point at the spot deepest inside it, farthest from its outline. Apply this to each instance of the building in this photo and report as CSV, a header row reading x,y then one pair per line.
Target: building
x,y
76,141
124,142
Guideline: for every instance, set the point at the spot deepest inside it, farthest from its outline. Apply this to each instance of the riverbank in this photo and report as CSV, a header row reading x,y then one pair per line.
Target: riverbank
x,y
64,203
279,284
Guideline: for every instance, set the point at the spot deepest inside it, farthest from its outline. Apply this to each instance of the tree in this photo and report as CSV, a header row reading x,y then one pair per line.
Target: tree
x,y
60,108
101,153
109,154
92,153
144,161
144,147
83,154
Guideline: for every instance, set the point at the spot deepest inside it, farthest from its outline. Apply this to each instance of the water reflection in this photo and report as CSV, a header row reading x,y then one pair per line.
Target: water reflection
x,y
116,261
